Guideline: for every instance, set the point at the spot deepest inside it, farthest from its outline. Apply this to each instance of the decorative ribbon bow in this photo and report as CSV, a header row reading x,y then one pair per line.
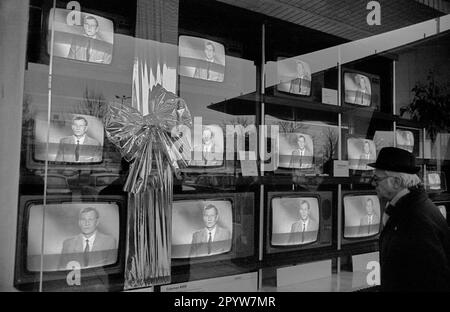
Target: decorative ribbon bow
x,y
142,139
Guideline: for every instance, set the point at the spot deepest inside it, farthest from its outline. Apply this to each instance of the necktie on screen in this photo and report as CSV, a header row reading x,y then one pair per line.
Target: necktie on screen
x,y
303,232
207,70
369,221
209,243
88,50
86,253
77,151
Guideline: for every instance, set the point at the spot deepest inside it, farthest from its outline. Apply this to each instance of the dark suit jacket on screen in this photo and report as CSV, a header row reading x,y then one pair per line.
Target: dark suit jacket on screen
x,y
99,51
221,243
300,162
90,150
103,252
298,237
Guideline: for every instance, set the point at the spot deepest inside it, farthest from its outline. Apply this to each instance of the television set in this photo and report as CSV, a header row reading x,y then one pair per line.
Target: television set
x,y
296,151
444,208
210,230
435,181
207,147
80,36
297,221
51,240
360,152
294,76
201,58
76,142
406,138
362,216
361,89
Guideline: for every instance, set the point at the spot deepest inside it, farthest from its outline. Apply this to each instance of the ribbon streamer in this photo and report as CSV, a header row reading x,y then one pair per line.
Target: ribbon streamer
x,y
147,143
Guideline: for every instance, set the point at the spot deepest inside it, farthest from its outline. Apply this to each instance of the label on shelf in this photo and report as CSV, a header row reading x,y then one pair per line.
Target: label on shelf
x,y
340,168
329,96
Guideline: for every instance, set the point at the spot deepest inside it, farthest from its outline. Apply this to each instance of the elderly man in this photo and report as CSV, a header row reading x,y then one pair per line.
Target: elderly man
x,y
415,241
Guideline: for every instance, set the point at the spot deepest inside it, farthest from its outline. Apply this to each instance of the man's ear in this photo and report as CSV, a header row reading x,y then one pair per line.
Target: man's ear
x,y
396,182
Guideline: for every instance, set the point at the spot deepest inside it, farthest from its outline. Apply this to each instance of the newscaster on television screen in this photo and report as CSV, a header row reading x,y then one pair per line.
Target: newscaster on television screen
x,y
405,140
434,180
294,76
201,228
207,150
83,235
81,36
443,210
360,153
358,89
73,138
295,220
362,216
296,151
201,58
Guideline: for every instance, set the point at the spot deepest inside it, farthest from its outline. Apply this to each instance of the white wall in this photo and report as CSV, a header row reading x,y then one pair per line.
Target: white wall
x,y
13,35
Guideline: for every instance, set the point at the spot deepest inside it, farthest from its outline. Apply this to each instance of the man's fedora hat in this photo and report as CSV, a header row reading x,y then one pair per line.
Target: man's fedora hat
x,y
395,159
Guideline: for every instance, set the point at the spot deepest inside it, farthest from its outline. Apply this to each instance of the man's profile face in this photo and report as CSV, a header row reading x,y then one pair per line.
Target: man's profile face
x,y
369,207
210,218
304,211
366,148
300,70
88,222
384,187
301,142
209,51
79,127
90,27
207,136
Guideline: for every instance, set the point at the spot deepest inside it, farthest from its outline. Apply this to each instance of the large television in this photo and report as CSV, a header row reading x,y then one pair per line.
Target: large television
x,y
361,89
360,152
298,221
76,142
80,36
201,58
362,216
65,236
210,229
294,76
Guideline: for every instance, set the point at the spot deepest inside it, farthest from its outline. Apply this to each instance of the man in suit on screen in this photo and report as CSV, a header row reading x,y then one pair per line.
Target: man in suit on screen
x,y
305,229
79,147
302,83
212,239
209,68
90,47
370,223
208,150
366,157
90,248
301,157
362,93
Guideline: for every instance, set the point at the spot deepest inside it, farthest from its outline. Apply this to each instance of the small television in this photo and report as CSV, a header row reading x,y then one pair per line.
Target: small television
x,y
362,216
64,225
361,89
407,139
201,58
360,152
444,209
298,221
296,151
435,181
210,229
207,147
75,141
80,36
294,76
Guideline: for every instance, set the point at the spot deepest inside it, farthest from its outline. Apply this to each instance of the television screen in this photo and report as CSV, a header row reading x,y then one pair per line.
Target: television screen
x,y
434,181
443,210
73,138
296,151
80,234
201,58
294,76
207,150
405,140
295,220
80,36
201,228
358,89
361,216
383,139
360,153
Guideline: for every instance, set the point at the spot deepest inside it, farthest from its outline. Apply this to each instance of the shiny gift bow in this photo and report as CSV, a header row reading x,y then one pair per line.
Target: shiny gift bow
x,y
144,138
